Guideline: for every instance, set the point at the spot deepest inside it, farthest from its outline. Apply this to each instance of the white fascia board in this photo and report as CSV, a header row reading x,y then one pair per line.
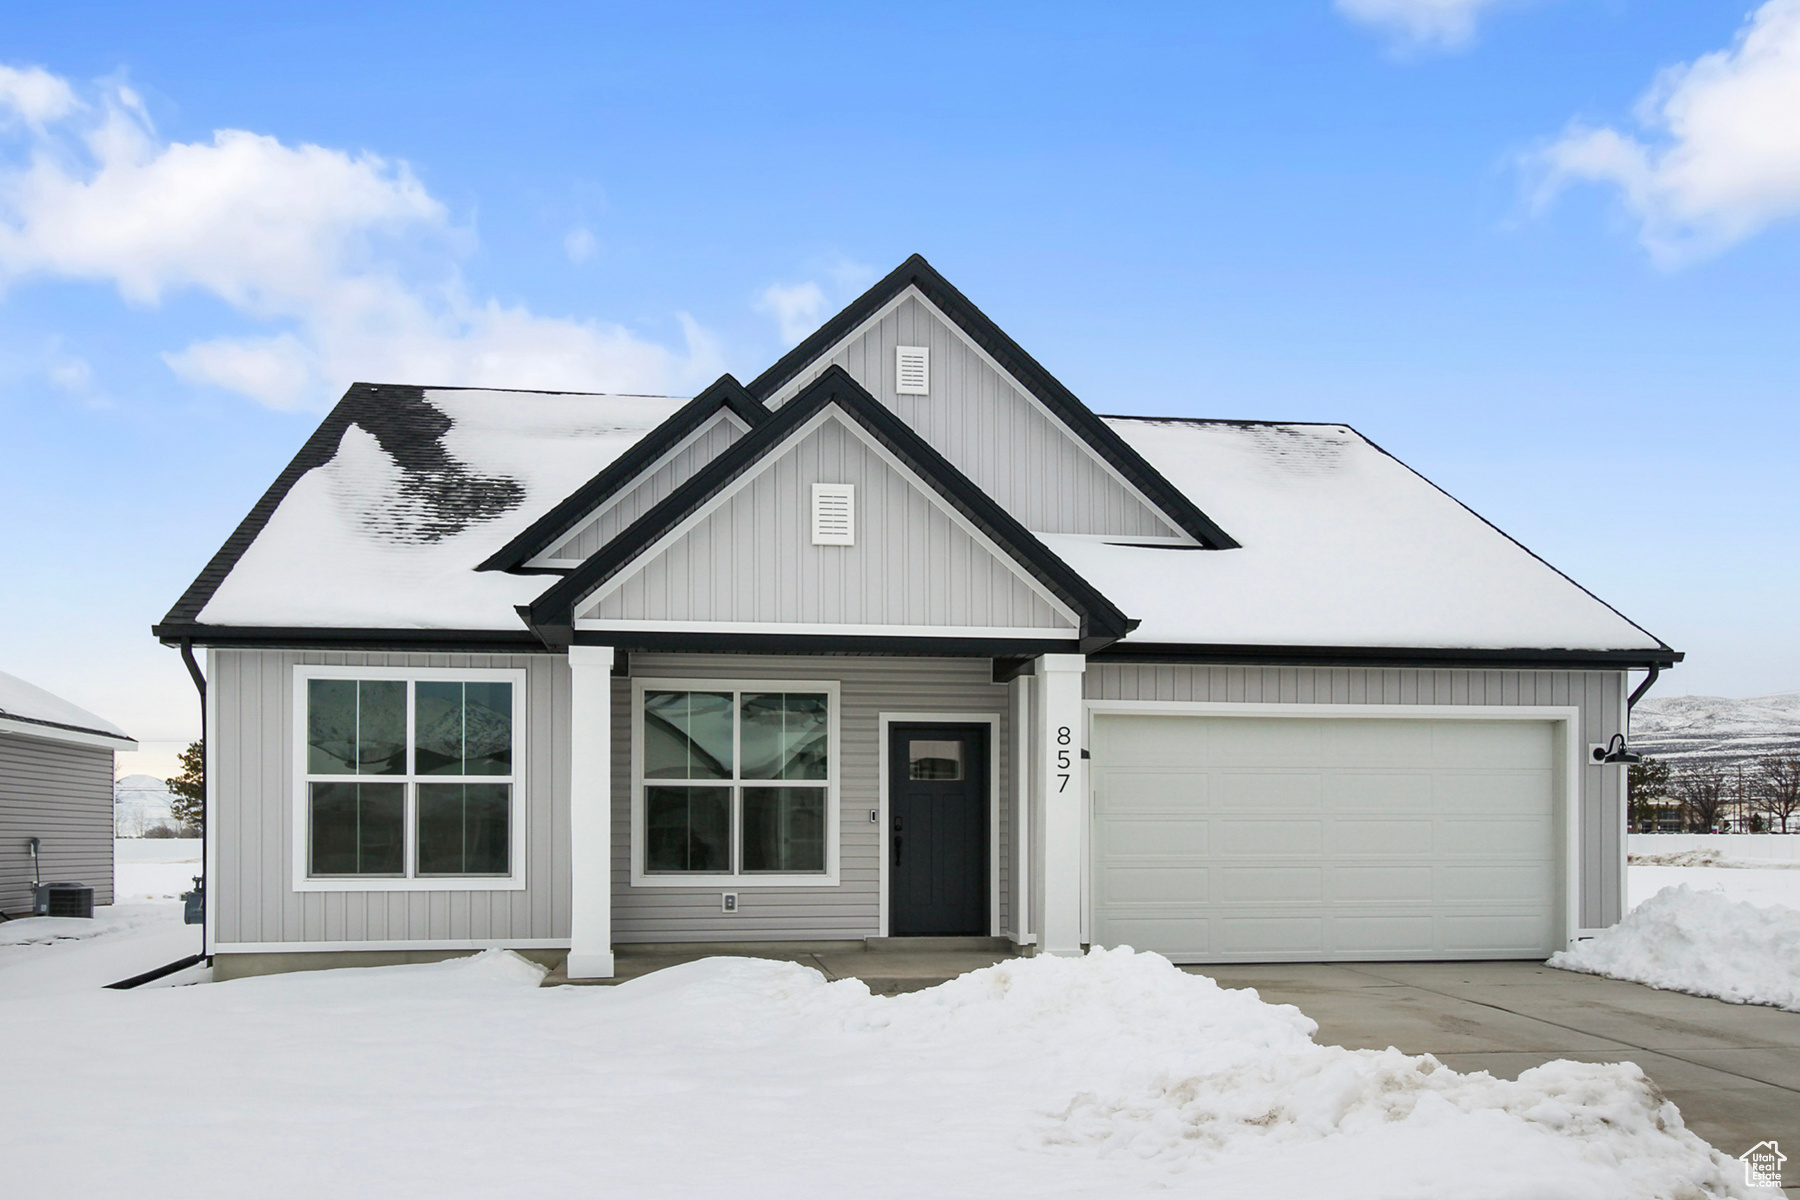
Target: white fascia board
x,y
798,628
828,413
611,502
911,291
71,737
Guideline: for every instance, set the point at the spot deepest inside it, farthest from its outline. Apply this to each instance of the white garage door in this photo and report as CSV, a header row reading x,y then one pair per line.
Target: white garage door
x,y
1252,839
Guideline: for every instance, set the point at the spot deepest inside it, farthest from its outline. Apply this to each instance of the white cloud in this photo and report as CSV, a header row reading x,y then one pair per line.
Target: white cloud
x,y
71,375
1420,25
346,258
580,245
1720,158
795,307
34,96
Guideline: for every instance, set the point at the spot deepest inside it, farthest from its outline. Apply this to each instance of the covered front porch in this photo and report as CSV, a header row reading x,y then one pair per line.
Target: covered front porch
x,y
915,799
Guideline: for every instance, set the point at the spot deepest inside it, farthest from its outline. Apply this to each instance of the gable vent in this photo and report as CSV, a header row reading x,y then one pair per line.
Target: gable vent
x,y
834,514
912,372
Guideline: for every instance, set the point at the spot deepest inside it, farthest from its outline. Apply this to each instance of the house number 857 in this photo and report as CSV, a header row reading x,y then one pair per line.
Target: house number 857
x,y
1062,758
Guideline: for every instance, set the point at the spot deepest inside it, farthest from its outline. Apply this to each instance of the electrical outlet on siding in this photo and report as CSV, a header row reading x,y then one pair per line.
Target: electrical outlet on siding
x,y
728,902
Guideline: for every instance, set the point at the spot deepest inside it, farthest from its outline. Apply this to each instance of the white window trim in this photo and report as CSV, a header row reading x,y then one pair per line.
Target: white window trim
x,y
740,882
298,800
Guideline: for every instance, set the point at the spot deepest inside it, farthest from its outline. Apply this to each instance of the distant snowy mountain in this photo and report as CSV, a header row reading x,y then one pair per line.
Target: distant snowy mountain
x,y
140,804
1714,727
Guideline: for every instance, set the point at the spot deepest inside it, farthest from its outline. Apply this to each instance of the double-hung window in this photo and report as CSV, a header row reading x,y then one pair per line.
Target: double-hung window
x,y
407,780
734,783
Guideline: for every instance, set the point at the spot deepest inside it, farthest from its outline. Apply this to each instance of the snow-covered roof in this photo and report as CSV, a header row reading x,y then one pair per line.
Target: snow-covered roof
x,y
387,532
1342,545
387,515
31,705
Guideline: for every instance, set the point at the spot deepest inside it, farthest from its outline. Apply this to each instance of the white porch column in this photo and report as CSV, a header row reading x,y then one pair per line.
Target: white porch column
x,y
1061,781
590,812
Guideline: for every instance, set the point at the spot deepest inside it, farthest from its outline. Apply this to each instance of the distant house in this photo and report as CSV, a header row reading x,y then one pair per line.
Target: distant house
x,y
56,785
899,639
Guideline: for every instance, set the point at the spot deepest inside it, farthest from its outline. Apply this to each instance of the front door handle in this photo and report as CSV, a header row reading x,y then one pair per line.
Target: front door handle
x,y
898,826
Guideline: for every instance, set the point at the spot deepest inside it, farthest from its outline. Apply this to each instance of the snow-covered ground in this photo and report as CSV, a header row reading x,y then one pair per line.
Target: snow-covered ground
x,y
1114,1075
42,957
1754,885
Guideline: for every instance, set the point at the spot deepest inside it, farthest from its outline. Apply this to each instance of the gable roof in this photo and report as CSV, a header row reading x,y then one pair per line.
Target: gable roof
x,y
544,533
552,614
377,523
1348,555
1114,450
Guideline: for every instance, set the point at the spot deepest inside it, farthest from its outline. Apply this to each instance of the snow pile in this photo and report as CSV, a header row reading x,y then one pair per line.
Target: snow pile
x,y
1702,943
1114,1075
1707,856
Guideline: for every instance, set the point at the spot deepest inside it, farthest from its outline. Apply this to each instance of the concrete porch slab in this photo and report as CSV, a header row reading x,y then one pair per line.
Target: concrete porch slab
x,y
888,966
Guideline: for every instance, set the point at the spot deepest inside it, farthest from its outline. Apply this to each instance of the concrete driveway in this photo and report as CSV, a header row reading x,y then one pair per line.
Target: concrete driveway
x,y
1732,1069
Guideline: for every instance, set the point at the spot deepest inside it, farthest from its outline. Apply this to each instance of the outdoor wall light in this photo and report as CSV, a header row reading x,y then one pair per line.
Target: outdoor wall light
x,y
1615,752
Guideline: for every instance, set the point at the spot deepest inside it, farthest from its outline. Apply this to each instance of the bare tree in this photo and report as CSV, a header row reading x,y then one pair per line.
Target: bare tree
x,y
1778,788
1704,791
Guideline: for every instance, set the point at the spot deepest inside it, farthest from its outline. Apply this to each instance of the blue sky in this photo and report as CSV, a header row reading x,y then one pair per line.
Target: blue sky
x,y
1544,252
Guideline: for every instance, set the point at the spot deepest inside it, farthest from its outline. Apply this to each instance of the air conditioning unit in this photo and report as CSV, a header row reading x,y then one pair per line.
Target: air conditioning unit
x,y
63,900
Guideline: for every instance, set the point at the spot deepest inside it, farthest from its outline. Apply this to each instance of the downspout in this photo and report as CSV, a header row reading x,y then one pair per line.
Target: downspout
x,y
187,656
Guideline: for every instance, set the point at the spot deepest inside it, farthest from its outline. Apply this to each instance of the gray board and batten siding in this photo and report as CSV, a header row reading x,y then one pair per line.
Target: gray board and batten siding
x,y
618,512
257,906
980,419
868,687
752,560
63,794
1599,695
252,693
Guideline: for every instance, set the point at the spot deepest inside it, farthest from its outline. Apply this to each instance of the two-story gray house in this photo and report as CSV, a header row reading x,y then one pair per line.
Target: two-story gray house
x,y
900,638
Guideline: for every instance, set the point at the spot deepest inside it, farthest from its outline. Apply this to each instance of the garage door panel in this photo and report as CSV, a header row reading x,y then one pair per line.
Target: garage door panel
x,y
1512,883
1494,838
1351,743
1167,883
1493,791
1370,936
1363,791
1297,839
1491,743
1265,743
1382,839
1271,885
1153,837
1494,932
1280,935
1180,937
1260,838
1385,882
1152,741
1129,791
1261,791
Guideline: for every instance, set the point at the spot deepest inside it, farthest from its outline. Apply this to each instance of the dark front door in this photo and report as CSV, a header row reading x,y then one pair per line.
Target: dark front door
x,y
938,830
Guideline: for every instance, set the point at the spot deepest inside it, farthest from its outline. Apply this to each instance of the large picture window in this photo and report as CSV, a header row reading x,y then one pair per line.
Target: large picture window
x,y
406,780
734,783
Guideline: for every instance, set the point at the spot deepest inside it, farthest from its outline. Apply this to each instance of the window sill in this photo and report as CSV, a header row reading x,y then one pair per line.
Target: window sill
x,y
739,883
436,883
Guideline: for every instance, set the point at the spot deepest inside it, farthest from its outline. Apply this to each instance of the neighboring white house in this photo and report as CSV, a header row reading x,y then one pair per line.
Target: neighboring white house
x,y
898,639
56,785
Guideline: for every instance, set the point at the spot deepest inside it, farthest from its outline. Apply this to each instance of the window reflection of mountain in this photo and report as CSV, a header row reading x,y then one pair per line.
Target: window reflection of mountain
x,y
469,739
665,741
